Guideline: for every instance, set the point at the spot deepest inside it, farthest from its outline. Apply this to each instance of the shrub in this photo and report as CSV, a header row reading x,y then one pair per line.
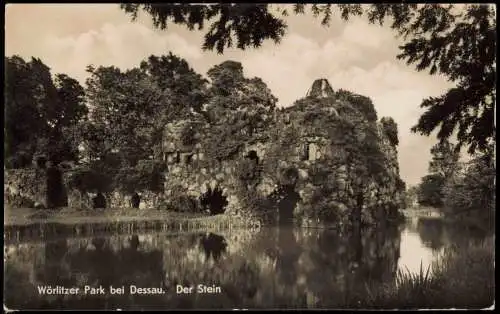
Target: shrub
x,y
471,195
248,172
362,103
430,191
146,175
88,180
184,204
19,201
289,176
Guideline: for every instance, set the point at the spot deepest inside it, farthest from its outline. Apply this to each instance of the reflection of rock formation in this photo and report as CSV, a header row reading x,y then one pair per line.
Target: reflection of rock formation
x,y
275,267
346,263
288,255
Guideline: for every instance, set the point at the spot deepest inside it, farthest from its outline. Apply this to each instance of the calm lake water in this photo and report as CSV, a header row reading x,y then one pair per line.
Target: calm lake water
x,y
271,267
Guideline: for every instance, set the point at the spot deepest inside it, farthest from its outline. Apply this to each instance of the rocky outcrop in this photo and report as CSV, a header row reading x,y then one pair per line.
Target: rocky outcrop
x,y
345,166
325,159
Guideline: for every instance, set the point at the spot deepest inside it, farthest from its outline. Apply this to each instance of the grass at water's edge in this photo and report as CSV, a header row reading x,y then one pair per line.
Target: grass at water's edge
x,y
27,225
462,278
28,216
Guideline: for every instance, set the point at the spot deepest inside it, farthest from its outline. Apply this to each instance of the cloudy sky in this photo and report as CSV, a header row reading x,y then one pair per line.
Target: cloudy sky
x,y
355,56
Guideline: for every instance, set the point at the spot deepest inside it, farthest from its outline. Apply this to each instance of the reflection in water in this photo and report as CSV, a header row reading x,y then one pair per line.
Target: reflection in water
x,y
275,267
431,233
213,245
415,253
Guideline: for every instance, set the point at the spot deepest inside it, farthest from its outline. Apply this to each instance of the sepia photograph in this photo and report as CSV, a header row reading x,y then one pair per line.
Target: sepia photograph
x,y
222,156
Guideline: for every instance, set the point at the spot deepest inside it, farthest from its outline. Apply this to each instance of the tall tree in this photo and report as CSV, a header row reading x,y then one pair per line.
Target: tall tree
x,y
445,160
458,42
41,113
130,108
238,108
122,106
430,191
172,74
471,194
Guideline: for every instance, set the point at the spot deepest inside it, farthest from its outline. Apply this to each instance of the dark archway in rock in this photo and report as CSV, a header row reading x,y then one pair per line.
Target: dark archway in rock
x,y
252,155
56,193
99,201
214,201
285,197
135,200
287,203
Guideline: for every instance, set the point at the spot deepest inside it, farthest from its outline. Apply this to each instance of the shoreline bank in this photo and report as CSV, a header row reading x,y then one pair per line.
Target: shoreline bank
x,y
68,216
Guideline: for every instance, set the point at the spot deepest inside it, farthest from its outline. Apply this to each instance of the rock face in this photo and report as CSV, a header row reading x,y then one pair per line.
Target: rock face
x,y
344,164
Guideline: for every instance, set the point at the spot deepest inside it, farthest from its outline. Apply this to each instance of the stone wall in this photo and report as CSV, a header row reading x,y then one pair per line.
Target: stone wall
x,y
30,184
114,199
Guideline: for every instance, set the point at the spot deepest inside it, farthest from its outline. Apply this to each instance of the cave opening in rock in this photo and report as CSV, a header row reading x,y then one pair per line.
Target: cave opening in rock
x,y
287,203
99,201
285,197
214,201
135,200
252,155
56,194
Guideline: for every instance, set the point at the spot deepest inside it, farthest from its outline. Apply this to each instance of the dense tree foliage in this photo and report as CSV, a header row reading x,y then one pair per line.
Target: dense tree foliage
x,y
131,108
445,160
238,109
129,111
443,168
430,192
471,194
182,85
124,105
42,113
456,41
241,25
411,196
362,103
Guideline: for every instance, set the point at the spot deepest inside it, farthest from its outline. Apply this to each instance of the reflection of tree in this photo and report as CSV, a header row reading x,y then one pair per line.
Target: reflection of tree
x,y
213,245
105,265
56,270
284,267
431,233
349,262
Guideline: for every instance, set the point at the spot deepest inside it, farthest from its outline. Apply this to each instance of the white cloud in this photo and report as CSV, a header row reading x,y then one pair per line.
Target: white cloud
x,y
122,45
364,64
